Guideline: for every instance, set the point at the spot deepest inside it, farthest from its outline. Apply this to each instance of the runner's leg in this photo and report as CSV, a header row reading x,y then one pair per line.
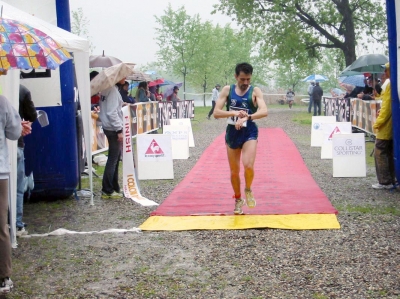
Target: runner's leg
x,y
248,158
234,165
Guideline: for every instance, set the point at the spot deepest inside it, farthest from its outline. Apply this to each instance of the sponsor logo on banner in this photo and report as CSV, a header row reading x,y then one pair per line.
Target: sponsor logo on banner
x,y
317,126
349,148
130,187
336,130
154,150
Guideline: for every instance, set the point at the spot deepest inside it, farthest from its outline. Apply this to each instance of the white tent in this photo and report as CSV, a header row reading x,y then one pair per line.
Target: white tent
x,y
10,83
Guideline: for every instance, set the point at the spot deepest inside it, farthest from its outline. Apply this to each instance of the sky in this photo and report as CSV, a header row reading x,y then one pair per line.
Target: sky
x,y
126,29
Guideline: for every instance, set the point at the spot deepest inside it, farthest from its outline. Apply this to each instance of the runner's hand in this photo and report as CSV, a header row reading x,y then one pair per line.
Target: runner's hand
x,y
239,123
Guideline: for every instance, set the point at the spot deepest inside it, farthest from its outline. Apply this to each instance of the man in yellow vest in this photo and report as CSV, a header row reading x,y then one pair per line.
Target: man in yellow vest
x,y
383,153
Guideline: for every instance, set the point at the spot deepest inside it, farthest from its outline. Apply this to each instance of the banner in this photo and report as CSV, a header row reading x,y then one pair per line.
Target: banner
x,y
131,189
349,155
364,114
184,109
338,107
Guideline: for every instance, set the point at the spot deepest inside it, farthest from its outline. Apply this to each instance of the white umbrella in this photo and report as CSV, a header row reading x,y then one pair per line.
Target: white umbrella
x,y
315,78
103,61
110,76
139,77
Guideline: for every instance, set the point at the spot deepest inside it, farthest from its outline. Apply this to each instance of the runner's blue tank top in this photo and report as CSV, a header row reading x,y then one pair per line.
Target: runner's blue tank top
x,y
245,101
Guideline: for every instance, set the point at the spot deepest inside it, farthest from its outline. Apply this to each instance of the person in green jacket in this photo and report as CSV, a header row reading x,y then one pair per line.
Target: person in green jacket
x,y
383,153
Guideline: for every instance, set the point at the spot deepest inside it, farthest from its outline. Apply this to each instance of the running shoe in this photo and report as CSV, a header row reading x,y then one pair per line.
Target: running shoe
x,y
238,206
251,202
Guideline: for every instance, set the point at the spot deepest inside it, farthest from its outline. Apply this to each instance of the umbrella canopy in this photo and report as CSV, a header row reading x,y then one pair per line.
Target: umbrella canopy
x,y
156,82
109,77
167,82
170,90
24,47
103,61
316,78
370,63
139,77
356,80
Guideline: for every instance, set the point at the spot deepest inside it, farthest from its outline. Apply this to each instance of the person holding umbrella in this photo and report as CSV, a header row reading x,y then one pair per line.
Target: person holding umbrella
x,y
112,122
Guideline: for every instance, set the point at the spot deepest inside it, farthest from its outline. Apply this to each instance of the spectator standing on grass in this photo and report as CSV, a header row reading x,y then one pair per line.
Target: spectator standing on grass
x,y
383,152
215,95
27,112
11,128
317,98
310,89
290,97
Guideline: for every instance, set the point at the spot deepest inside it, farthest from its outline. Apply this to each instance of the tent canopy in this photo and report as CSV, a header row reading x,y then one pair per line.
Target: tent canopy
x,y
80,49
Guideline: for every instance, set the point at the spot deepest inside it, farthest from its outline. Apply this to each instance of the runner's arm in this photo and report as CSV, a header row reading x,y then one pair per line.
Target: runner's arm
x,y
258,98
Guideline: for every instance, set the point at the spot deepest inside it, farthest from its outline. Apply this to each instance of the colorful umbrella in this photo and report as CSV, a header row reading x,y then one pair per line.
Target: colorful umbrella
x,y
315,78
24,47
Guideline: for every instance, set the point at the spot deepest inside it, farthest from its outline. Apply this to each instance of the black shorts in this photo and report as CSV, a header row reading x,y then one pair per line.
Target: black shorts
x,y
236,138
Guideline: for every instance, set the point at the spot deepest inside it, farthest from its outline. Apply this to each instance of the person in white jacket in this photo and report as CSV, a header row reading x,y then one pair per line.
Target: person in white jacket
x,y
112,122
10,128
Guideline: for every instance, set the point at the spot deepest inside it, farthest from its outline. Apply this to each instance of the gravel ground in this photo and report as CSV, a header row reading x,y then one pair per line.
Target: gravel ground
x,y
361,260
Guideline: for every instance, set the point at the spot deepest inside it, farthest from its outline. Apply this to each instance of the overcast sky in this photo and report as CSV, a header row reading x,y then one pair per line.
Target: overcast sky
x,y
126,29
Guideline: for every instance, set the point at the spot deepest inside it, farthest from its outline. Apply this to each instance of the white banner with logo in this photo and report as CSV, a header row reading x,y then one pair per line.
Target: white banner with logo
x,y
130,186
329,130
317,134
154,156
349,155
179,139
184,122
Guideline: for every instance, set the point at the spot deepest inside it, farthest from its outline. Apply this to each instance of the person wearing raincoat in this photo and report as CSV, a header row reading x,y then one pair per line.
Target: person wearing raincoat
x,y
383,153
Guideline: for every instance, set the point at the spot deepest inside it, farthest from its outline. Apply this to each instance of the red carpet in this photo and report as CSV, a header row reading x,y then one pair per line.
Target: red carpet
x,y
282,184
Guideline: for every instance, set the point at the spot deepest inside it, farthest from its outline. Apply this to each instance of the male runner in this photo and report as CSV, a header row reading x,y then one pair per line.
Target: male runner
x,y
245,103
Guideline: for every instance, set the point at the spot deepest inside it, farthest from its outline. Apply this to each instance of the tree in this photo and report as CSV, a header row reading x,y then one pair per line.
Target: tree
x,y
332,24
80,25
178,38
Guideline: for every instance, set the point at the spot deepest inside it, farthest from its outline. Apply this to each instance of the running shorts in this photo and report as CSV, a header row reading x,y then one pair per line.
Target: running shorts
x,y
236,138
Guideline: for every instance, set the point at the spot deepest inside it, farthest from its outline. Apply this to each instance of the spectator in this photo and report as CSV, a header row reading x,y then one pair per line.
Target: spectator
x,y
123,90
27,112
317,98
174,97
112,122
94,100
290,97
383,152
10,128
158,94
310,89
215,95
142,93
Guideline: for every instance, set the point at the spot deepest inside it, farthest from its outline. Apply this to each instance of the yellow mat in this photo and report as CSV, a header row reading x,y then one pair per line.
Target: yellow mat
x,y
294,221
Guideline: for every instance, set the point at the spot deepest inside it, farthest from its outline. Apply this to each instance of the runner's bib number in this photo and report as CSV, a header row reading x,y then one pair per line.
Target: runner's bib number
x,y
233,119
